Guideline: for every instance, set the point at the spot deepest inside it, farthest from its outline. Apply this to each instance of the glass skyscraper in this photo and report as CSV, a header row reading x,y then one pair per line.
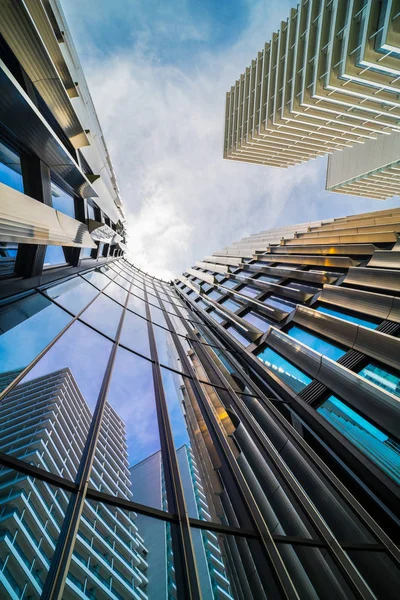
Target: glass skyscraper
x,y
233,433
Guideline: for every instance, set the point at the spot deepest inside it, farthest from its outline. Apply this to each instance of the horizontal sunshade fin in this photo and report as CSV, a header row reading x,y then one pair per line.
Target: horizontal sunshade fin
x,y
27,221
212,267
369,303
383,279
330,249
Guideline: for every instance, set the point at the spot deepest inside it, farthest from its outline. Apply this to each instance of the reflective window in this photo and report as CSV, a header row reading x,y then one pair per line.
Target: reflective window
x,y
73,294
136,305
132,429
236,334
230,283
54,256
86,253
216,316
157,316
8,255
62,201
260,263
134,333
10,168
381,449
137,291
206,286
116,292
280,303
166,348
382,378
341,314
215,295
267,278
94,315
201,303
32,514
26,327
249,291
257,320
231,304
316,342
288,373
97,279
90,212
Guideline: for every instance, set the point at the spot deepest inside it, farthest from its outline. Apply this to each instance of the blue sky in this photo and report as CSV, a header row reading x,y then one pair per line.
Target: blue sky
x,y
158,73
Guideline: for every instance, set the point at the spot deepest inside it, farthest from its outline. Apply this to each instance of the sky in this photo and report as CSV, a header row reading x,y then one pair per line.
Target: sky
x,y
158,73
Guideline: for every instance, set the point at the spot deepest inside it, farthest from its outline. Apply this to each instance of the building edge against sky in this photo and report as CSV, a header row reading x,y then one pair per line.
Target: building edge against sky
x,y
258,394
326,83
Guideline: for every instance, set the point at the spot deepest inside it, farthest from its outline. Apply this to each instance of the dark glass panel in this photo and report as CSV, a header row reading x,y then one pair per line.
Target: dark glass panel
x,y
8,255
103,314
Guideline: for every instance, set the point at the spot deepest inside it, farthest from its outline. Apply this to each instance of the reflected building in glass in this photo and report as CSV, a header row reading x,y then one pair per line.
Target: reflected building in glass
x,y
229,434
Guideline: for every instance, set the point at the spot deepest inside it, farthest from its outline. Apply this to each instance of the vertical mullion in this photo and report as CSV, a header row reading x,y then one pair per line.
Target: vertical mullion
x,y
185,564
55,581
282,577
37,358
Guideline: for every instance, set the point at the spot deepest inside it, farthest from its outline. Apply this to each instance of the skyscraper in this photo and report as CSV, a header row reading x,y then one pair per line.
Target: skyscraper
x,y
257,393
326,83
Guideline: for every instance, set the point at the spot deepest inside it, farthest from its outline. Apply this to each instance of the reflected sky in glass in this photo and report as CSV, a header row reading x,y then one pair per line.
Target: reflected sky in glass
x,y
318,343
134,333
131,394
255,319
280,303
382,378
172,382
346,317
116,292
74,294
249,291
236,334
26,327
104,314
62,201
136,305
97,279
157,316
85,352
231,305
54,256
291,375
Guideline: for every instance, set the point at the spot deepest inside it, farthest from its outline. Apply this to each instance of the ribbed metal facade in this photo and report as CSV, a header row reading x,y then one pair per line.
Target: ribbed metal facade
x,y
327,82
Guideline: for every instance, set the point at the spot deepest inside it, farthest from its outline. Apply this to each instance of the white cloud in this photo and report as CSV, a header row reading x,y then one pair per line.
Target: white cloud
x,y
164,129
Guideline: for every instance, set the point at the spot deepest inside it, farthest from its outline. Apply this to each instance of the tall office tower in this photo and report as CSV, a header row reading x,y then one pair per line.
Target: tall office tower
x,y
148,487
60,202
46,421
276,360
327,82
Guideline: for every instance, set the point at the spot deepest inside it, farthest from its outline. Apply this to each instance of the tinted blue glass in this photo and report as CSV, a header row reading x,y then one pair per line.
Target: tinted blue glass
x,y
231,305
97,279
202,304
134,333
382,378
346,317
136,305
62,201
206,286
249,291
260,263
73,294
104,314
10,168
276,302
258,321
267,278
381,449
26,327
230,283
54,256
291,375
215,295
131,394
216,316
171,383
240,338
316,342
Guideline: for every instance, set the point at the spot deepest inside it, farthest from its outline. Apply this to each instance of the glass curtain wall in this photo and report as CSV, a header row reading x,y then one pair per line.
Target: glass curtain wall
x,y
139,459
